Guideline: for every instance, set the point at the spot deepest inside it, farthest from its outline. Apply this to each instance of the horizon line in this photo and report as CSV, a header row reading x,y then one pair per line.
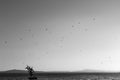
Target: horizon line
x,y
83,70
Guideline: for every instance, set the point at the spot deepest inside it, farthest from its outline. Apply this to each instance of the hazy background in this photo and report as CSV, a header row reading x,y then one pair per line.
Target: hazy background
x,y
60,35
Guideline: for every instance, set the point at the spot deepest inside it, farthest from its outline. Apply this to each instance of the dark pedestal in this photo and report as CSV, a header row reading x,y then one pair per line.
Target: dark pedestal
x,y
32,78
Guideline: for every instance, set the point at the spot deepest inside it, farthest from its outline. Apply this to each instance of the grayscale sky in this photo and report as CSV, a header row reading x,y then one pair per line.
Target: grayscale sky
x,y
60,35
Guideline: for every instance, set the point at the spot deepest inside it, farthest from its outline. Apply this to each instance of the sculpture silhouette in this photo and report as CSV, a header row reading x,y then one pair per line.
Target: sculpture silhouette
x,y
31,72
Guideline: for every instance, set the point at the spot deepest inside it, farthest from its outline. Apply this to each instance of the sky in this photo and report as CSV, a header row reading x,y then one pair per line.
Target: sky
x,y
60,35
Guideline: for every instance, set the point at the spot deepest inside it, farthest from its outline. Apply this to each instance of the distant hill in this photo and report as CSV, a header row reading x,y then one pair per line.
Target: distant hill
x,y
19,71
81,71
90,70
14,71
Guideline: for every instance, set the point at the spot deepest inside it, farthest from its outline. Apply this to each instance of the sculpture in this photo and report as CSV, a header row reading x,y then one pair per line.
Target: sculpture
x,y
31,72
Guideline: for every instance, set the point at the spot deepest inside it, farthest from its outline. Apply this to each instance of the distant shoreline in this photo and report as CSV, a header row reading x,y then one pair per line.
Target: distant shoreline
x,y
50,74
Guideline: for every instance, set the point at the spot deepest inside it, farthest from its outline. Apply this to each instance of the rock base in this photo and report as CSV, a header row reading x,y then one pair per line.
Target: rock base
x,y
32,78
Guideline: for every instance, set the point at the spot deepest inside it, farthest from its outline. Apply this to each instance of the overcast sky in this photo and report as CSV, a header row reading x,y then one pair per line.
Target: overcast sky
x,y
60,35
